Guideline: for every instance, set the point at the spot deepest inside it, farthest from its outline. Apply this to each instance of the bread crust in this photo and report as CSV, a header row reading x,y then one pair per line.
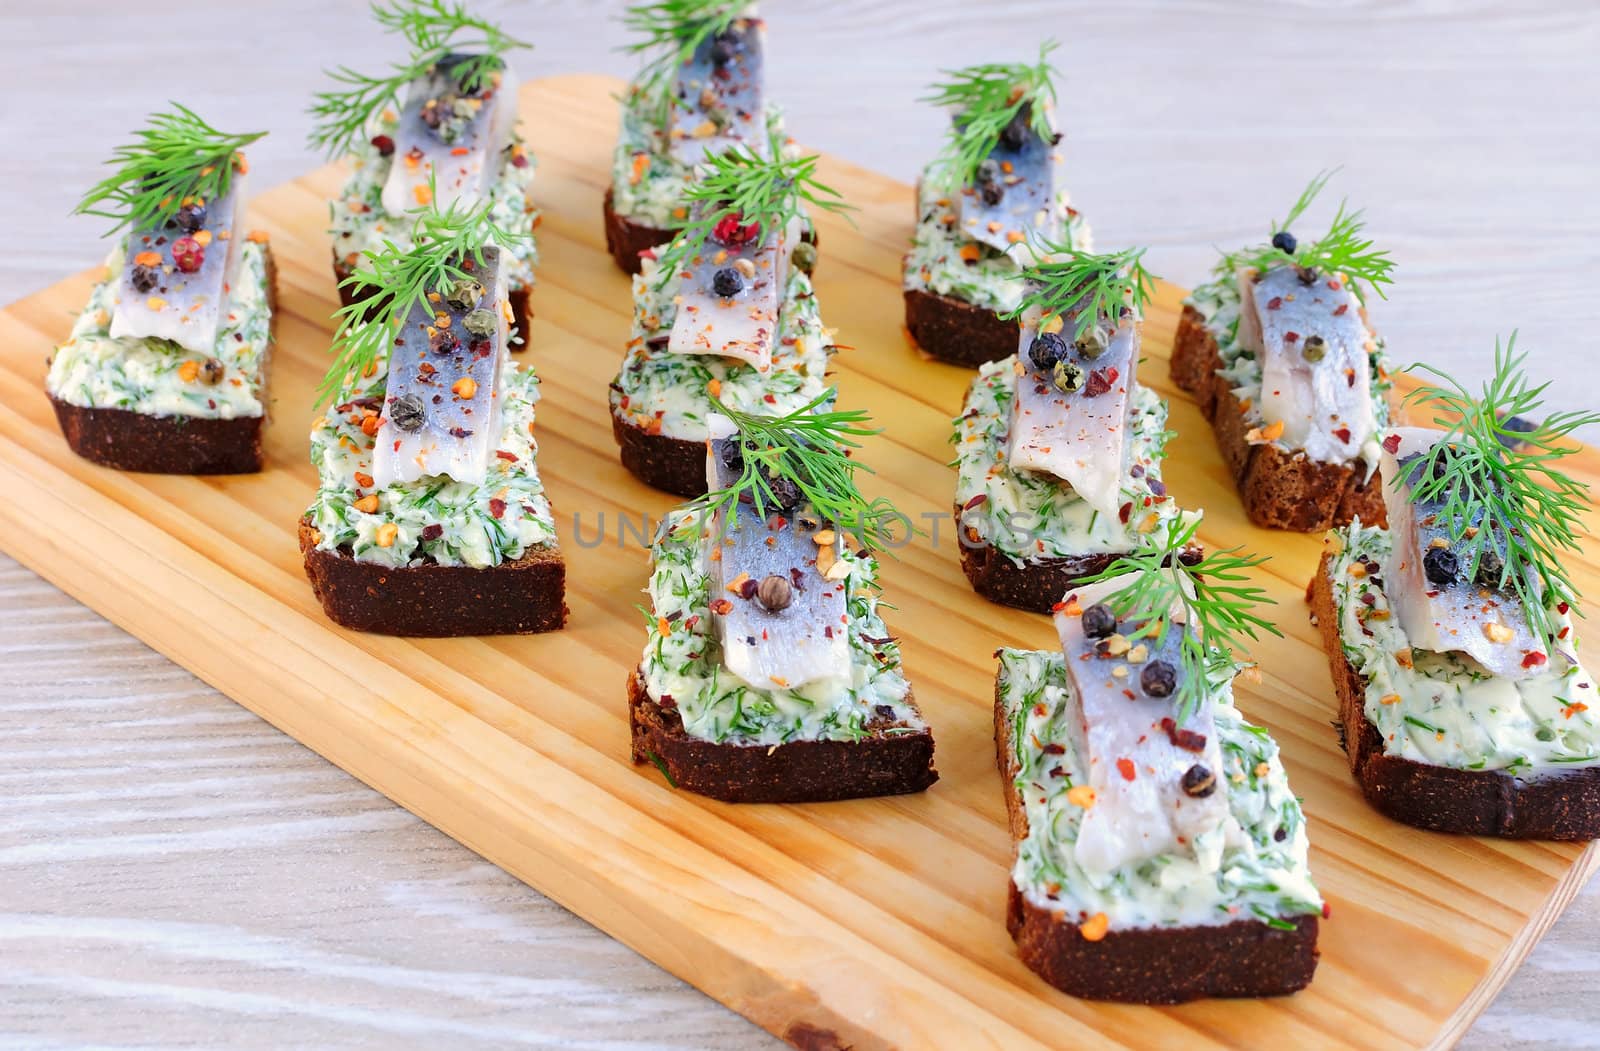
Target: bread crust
x,y
1156,965
433,601
955,331
881,764
1280,490
1561,806
518,298
673,465
1034,586
135,441
625,238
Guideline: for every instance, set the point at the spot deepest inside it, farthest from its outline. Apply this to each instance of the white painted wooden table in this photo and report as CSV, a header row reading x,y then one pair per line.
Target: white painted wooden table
x,y
175,873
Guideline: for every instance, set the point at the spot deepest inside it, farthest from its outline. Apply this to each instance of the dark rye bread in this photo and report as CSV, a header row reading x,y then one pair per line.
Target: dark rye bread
x,y
955,331
1034,586
516,598
136,441
882,764
1440,798
1157,965
625,238
673,465
518,298
1280,490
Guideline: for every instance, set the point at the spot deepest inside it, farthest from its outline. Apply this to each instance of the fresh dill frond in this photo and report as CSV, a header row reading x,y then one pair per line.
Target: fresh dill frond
x,y
810,449
433,29
1090,288
1344,249
671,31
1214,602
392,281
984,99
1498,485
174,158
743,188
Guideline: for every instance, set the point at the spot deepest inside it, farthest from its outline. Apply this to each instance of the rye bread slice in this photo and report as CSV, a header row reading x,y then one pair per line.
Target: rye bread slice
x,y
1034,586
955,331
1564,806
626,238
519,299
1155,965
882,764
135,441
516,598
673,465
1280,490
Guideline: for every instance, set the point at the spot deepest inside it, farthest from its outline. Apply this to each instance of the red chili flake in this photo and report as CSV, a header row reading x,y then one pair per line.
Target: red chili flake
x,y
1100,381
519,160
828,630
1055,749
1561,608
508,457
730,231
691,620
1125,768
497,507
721,607
747,590
769,399
1391,444
1343,434
1275,303
975,501
1188,740
1532,659
1342,308
1123,512
1327,910
1291,337
384,144
432,532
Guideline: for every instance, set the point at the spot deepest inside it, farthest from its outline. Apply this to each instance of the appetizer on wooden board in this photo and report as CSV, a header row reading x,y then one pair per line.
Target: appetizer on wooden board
x,y
165,369
442,122
430,517
726,312
1463,706
1058,447
1160,853
1278,352
983,206
769,676
701,92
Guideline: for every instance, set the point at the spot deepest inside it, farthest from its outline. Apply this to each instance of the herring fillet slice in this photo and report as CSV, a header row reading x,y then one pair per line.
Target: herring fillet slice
x,y
464,169
743,326
1134,762
1454,617
188,309
1079,438
1325,406
460,428
804,643
715,108
1026,211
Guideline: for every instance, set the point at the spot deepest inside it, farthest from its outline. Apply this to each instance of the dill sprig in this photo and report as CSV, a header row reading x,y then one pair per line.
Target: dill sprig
x,y
1499,486
743,187
175,157
1097,287
1342,250
1216,607
987,97
399,279
433,28
810,449
672,31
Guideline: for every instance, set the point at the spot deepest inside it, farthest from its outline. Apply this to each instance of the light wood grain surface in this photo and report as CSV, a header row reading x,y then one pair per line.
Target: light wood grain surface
x,y
175,873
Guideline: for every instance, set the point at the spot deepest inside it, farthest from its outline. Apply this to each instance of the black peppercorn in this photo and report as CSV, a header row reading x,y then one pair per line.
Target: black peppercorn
x,y
723,48
1015,133
408,413
1491,568
727,282
1440,566
211,372
144,278
444,341
992,193
191,217
784,491
1284,242
1199,781
1046,349
1158,679
1099,621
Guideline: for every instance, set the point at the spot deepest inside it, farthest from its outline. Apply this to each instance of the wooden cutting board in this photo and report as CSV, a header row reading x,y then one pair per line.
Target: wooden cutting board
x,y
867,924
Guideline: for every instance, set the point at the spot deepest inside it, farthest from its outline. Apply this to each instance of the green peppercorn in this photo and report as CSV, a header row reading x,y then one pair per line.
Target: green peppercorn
x,y
805,256
1066,377
1315,349
464,294
1093,342
481,322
